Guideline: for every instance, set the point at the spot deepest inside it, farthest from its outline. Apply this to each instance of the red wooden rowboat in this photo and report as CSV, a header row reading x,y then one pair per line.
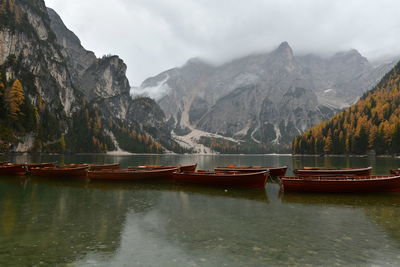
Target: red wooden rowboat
x,y
95,167
273,171
224,178
29,166
56,172
341,184
315,171
12,169
132,174
182,168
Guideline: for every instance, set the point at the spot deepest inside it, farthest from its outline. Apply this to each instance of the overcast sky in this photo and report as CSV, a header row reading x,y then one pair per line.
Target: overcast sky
x,y
155,35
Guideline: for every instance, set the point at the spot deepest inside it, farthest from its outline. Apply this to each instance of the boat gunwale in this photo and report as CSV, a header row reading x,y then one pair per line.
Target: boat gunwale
x,y
38,164
108,164
161,167
246,168
60,169
331,170
118,171
341,178
222,174
12,165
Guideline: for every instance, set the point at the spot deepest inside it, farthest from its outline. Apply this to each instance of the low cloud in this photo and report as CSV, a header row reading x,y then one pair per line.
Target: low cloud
x,y
157,91
155,35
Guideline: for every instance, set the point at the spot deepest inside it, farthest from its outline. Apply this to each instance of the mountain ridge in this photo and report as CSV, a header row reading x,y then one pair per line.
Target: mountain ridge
x,y
205,97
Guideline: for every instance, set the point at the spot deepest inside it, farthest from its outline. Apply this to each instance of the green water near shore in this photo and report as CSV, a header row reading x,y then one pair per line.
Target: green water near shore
x,y
79,223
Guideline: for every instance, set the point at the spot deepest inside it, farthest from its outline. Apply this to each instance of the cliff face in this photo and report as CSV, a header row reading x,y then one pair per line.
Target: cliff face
x,y
73,100
264,99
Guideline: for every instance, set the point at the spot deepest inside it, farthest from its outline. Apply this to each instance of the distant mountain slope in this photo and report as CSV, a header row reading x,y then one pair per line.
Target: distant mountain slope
x,y
263,99
55,96
372,123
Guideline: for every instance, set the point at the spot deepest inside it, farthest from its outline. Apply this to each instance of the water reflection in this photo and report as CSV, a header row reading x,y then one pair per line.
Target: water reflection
x,y
239,193
56,224
195,229
382,209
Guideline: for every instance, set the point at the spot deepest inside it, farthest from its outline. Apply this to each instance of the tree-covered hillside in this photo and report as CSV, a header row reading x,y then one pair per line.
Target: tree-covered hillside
x,y
55,96
373,123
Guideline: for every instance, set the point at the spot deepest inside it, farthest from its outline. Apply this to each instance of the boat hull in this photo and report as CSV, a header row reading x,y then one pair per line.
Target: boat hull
x,y
341,185
188,168
96,167
132,175
333,172
181,168
273,171
13,169
258,179
277,171
30,166
57,172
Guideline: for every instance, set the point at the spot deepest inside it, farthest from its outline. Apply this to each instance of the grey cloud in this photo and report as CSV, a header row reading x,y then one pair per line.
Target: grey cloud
x,y
155,35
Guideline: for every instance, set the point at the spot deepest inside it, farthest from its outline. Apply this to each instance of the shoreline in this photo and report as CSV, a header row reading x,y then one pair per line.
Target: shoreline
x,y
114,153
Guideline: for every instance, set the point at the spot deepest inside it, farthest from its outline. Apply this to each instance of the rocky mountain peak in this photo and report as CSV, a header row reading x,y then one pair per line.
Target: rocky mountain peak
x,y
352,54
195,61
65,36
284,49
196,64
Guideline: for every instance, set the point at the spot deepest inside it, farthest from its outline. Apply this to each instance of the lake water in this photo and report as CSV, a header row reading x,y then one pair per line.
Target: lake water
x,y
79,223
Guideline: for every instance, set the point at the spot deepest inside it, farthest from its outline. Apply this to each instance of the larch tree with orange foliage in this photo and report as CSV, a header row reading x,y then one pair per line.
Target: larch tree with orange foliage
x,y
14,98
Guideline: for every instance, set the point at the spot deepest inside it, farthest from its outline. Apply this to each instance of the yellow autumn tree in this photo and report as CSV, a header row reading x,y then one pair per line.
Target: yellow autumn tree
x,y
14,97
2,87
328,144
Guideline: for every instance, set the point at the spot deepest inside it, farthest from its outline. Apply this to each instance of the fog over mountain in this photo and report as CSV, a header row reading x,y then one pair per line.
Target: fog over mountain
x,y
260,101
155,35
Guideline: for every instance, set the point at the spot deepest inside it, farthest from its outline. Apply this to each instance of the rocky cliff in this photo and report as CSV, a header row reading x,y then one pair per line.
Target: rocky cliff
x,y
263,99
58,96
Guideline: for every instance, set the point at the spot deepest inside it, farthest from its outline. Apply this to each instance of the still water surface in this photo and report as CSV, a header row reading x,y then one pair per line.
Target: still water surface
x,y
80,223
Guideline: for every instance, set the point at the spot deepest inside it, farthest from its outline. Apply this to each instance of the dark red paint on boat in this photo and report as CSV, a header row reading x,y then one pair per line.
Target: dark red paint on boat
x,y
182,168
273,171
311,171
12,169
29,166
66,171
341,184
95,167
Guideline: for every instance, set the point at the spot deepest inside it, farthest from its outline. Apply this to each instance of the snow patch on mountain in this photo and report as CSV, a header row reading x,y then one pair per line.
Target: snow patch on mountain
x,y
278,135
192,139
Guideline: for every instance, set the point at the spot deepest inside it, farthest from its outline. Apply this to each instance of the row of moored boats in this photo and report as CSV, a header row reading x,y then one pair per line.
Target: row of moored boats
x,y
307,179
223,176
